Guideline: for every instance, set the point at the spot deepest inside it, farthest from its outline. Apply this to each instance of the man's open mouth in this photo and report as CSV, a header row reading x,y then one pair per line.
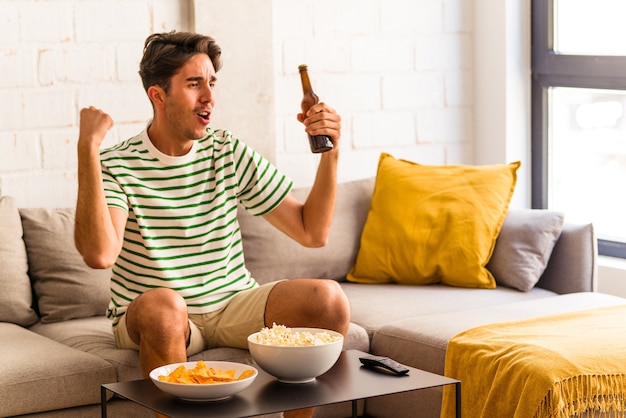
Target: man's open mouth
x,y
206,116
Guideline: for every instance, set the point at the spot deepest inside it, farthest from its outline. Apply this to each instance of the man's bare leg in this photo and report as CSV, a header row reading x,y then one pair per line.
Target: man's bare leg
x,y
312,303
315,303
157,321
299,413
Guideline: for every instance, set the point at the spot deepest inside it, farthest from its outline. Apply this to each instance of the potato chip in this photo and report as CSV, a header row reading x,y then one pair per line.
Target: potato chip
x,y
201,374
223,375
245,374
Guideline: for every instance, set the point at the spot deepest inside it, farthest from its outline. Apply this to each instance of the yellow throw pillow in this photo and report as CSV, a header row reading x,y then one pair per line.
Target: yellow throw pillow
x,y
433,224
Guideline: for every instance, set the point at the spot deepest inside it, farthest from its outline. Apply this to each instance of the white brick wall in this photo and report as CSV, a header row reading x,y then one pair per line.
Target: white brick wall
x,y
399,71
57,56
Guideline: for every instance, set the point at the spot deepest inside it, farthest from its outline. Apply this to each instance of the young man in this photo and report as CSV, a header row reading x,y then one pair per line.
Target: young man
x,y
161,209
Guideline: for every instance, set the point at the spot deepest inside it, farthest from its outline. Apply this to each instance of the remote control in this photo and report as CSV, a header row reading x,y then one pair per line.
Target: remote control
x,y
384,364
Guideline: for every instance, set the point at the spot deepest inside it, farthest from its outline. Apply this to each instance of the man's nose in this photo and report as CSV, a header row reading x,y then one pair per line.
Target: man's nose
x,y
207,94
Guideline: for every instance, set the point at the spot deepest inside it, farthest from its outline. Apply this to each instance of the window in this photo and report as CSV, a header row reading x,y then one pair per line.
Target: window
x,y
579,114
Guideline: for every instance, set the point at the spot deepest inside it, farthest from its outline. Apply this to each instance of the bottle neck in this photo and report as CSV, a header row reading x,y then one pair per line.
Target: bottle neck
x,y
310,98
306,82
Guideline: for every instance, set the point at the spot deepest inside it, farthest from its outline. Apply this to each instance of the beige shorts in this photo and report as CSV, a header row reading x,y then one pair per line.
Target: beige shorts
x,y
228,327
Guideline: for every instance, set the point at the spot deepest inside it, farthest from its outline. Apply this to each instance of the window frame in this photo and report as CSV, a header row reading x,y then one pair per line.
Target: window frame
x,y
550,69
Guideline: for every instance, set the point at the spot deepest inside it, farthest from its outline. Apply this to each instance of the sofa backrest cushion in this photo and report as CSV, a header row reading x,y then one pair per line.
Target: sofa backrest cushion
x,y
16,299
65,287
573,265
524,247
271,255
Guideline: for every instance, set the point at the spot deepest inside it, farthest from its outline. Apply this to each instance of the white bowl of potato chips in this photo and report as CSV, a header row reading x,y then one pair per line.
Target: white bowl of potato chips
x,y
203,381
295,355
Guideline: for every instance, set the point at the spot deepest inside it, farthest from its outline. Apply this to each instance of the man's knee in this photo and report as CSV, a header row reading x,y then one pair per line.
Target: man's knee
x,y
308,302
160,300
338,296
332,302
159,310
331,291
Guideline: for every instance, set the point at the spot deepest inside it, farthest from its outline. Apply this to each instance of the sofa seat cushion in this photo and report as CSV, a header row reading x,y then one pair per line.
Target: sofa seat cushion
x,y
394,302
356,339
39,374
93,336
421,341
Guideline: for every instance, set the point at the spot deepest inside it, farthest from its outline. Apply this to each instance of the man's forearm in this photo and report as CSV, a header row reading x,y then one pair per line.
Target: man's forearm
x,y
94,234
319,207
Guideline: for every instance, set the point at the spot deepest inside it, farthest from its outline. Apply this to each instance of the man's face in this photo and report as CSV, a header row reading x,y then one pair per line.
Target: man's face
x,y
190,99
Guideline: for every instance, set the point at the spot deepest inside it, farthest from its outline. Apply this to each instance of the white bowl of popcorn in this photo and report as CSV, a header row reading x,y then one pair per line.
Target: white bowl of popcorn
x,y
295,355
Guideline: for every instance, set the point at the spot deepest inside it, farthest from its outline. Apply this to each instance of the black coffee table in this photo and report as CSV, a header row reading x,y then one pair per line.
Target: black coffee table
x,y
346,381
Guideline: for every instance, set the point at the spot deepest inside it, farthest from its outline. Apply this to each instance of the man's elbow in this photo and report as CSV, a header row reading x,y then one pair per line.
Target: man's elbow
x,y
99,262
317,241
95,256
95,259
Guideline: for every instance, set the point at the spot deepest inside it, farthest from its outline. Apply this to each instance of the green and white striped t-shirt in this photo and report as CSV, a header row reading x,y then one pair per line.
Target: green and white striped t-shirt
x,y
182,230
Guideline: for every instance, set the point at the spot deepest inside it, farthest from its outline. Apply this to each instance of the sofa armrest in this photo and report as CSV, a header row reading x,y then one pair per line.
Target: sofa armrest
x,y
573,264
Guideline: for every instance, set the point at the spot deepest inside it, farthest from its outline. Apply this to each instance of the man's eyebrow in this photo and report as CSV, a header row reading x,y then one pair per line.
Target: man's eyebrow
x,y
200,78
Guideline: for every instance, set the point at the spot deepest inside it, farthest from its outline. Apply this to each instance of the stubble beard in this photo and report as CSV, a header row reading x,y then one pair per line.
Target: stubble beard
x,y
176,118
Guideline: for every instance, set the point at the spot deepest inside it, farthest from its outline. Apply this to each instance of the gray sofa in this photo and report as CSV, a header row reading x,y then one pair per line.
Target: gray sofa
x,y
56,346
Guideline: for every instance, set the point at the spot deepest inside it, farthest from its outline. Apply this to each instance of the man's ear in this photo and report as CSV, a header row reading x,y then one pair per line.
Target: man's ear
x,y
156,95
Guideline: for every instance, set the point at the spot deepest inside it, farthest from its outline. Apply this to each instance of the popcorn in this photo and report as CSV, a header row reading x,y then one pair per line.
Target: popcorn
x,y
280,335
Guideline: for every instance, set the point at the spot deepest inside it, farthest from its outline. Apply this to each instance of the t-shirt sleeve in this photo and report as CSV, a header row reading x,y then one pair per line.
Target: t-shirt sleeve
x,y
113,193
262,186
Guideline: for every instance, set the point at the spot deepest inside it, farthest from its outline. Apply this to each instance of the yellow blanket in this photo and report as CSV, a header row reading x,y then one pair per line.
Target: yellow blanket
x,y
554,366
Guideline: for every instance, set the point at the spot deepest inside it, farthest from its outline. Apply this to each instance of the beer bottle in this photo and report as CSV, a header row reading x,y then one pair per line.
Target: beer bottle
x,y
318,143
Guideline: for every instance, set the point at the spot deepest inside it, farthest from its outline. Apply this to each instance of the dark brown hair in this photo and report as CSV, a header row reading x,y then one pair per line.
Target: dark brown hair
x,y
165,53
